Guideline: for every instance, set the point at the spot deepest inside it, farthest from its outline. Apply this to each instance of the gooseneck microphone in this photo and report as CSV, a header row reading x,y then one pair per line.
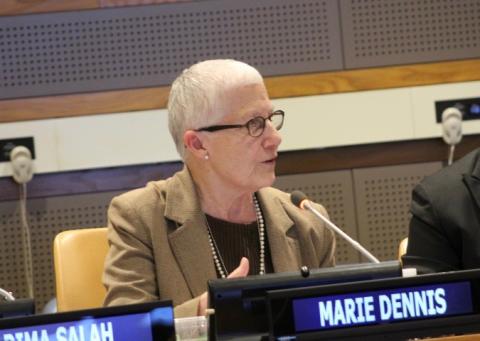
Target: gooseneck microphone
x,y
6,295
299,199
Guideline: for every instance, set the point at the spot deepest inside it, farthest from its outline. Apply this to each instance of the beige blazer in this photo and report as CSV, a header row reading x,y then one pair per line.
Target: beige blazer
x,y
159,247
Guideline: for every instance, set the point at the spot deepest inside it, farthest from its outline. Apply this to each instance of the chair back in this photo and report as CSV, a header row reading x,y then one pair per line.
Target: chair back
x,y
79,257
402,248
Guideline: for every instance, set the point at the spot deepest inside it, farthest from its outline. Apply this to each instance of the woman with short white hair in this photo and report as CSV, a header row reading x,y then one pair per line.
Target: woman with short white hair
x,y
218,217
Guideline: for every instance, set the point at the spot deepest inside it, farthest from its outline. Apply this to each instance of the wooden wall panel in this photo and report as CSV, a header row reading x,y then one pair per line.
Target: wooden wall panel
x,y
278,87
83,104
372,155
113,3
15,7
374,78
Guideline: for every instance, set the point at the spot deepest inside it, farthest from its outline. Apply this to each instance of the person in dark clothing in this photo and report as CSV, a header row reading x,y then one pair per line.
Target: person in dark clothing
x,y
445,227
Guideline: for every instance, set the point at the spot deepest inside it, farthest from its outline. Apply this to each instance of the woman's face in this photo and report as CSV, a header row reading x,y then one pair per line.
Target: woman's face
x,y
241,161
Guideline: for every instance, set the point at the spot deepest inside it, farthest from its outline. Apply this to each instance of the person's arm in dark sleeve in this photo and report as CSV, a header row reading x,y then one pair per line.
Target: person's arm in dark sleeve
x,y
428,242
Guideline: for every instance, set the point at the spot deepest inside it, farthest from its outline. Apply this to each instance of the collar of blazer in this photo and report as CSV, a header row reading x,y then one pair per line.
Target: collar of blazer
x,y
189,241
472,180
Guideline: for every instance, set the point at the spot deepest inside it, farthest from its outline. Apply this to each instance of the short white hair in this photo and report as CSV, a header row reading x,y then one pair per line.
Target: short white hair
x,y
197,96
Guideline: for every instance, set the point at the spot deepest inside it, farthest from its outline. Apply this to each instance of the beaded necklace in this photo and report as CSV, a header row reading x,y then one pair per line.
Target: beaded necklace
x,y
217,258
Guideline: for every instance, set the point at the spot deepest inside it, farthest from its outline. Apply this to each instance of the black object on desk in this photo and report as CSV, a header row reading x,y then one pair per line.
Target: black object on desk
x,y
240,303
19,307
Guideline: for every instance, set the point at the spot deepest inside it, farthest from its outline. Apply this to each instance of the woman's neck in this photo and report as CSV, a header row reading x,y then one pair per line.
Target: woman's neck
x,y
223,202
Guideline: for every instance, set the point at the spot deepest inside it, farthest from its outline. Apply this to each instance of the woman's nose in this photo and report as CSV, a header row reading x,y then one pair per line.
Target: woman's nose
x,y
272,136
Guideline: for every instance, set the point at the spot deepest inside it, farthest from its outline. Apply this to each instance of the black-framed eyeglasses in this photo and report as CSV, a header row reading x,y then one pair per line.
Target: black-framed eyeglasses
x,y
255,126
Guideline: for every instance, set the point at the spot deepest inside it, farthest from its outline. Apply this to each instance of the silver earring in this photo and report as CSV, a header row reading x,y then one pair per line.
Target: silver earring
x,y
206,157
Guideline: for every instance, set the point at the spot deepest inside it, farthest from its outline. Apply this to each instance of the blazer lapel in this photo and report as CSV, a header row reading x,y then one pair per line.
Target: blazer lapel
x,y
473,182
283,247
189,242
192,251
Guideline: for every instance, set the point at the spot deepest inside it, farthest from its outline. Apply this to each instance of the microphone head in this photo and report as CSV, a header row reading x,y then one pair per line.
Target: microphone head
x,y
297,198
452,125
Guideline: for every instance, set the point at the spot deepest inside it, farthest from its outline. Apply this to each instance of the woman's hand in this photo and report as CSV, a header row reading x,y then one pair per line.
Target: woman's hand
x,y
241,271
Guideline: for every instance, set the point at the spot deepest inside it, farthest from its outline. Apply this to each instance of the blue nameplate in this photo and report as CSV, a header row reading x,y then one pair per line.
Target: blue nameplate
x,y
146,322
424,305
380,306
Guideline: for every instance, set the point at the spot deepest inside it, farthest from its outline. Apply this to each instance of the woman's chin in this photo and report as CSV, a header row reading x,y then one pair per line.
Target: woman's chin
x,y
266,180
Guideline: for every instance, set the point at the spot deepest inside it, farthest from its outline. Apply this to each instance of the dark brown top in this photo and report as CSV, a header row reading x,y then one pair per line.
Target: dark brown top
x,y
239,240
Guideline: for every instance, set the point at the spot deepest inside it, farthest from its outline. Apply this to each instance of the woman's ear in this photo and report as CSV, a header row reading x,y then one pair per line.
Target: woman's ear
x,y
194,144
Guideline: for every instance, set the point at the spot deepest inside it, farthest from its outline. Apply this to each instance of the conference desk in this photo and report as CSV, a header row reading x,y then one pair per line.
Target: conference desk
x,y
472,337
